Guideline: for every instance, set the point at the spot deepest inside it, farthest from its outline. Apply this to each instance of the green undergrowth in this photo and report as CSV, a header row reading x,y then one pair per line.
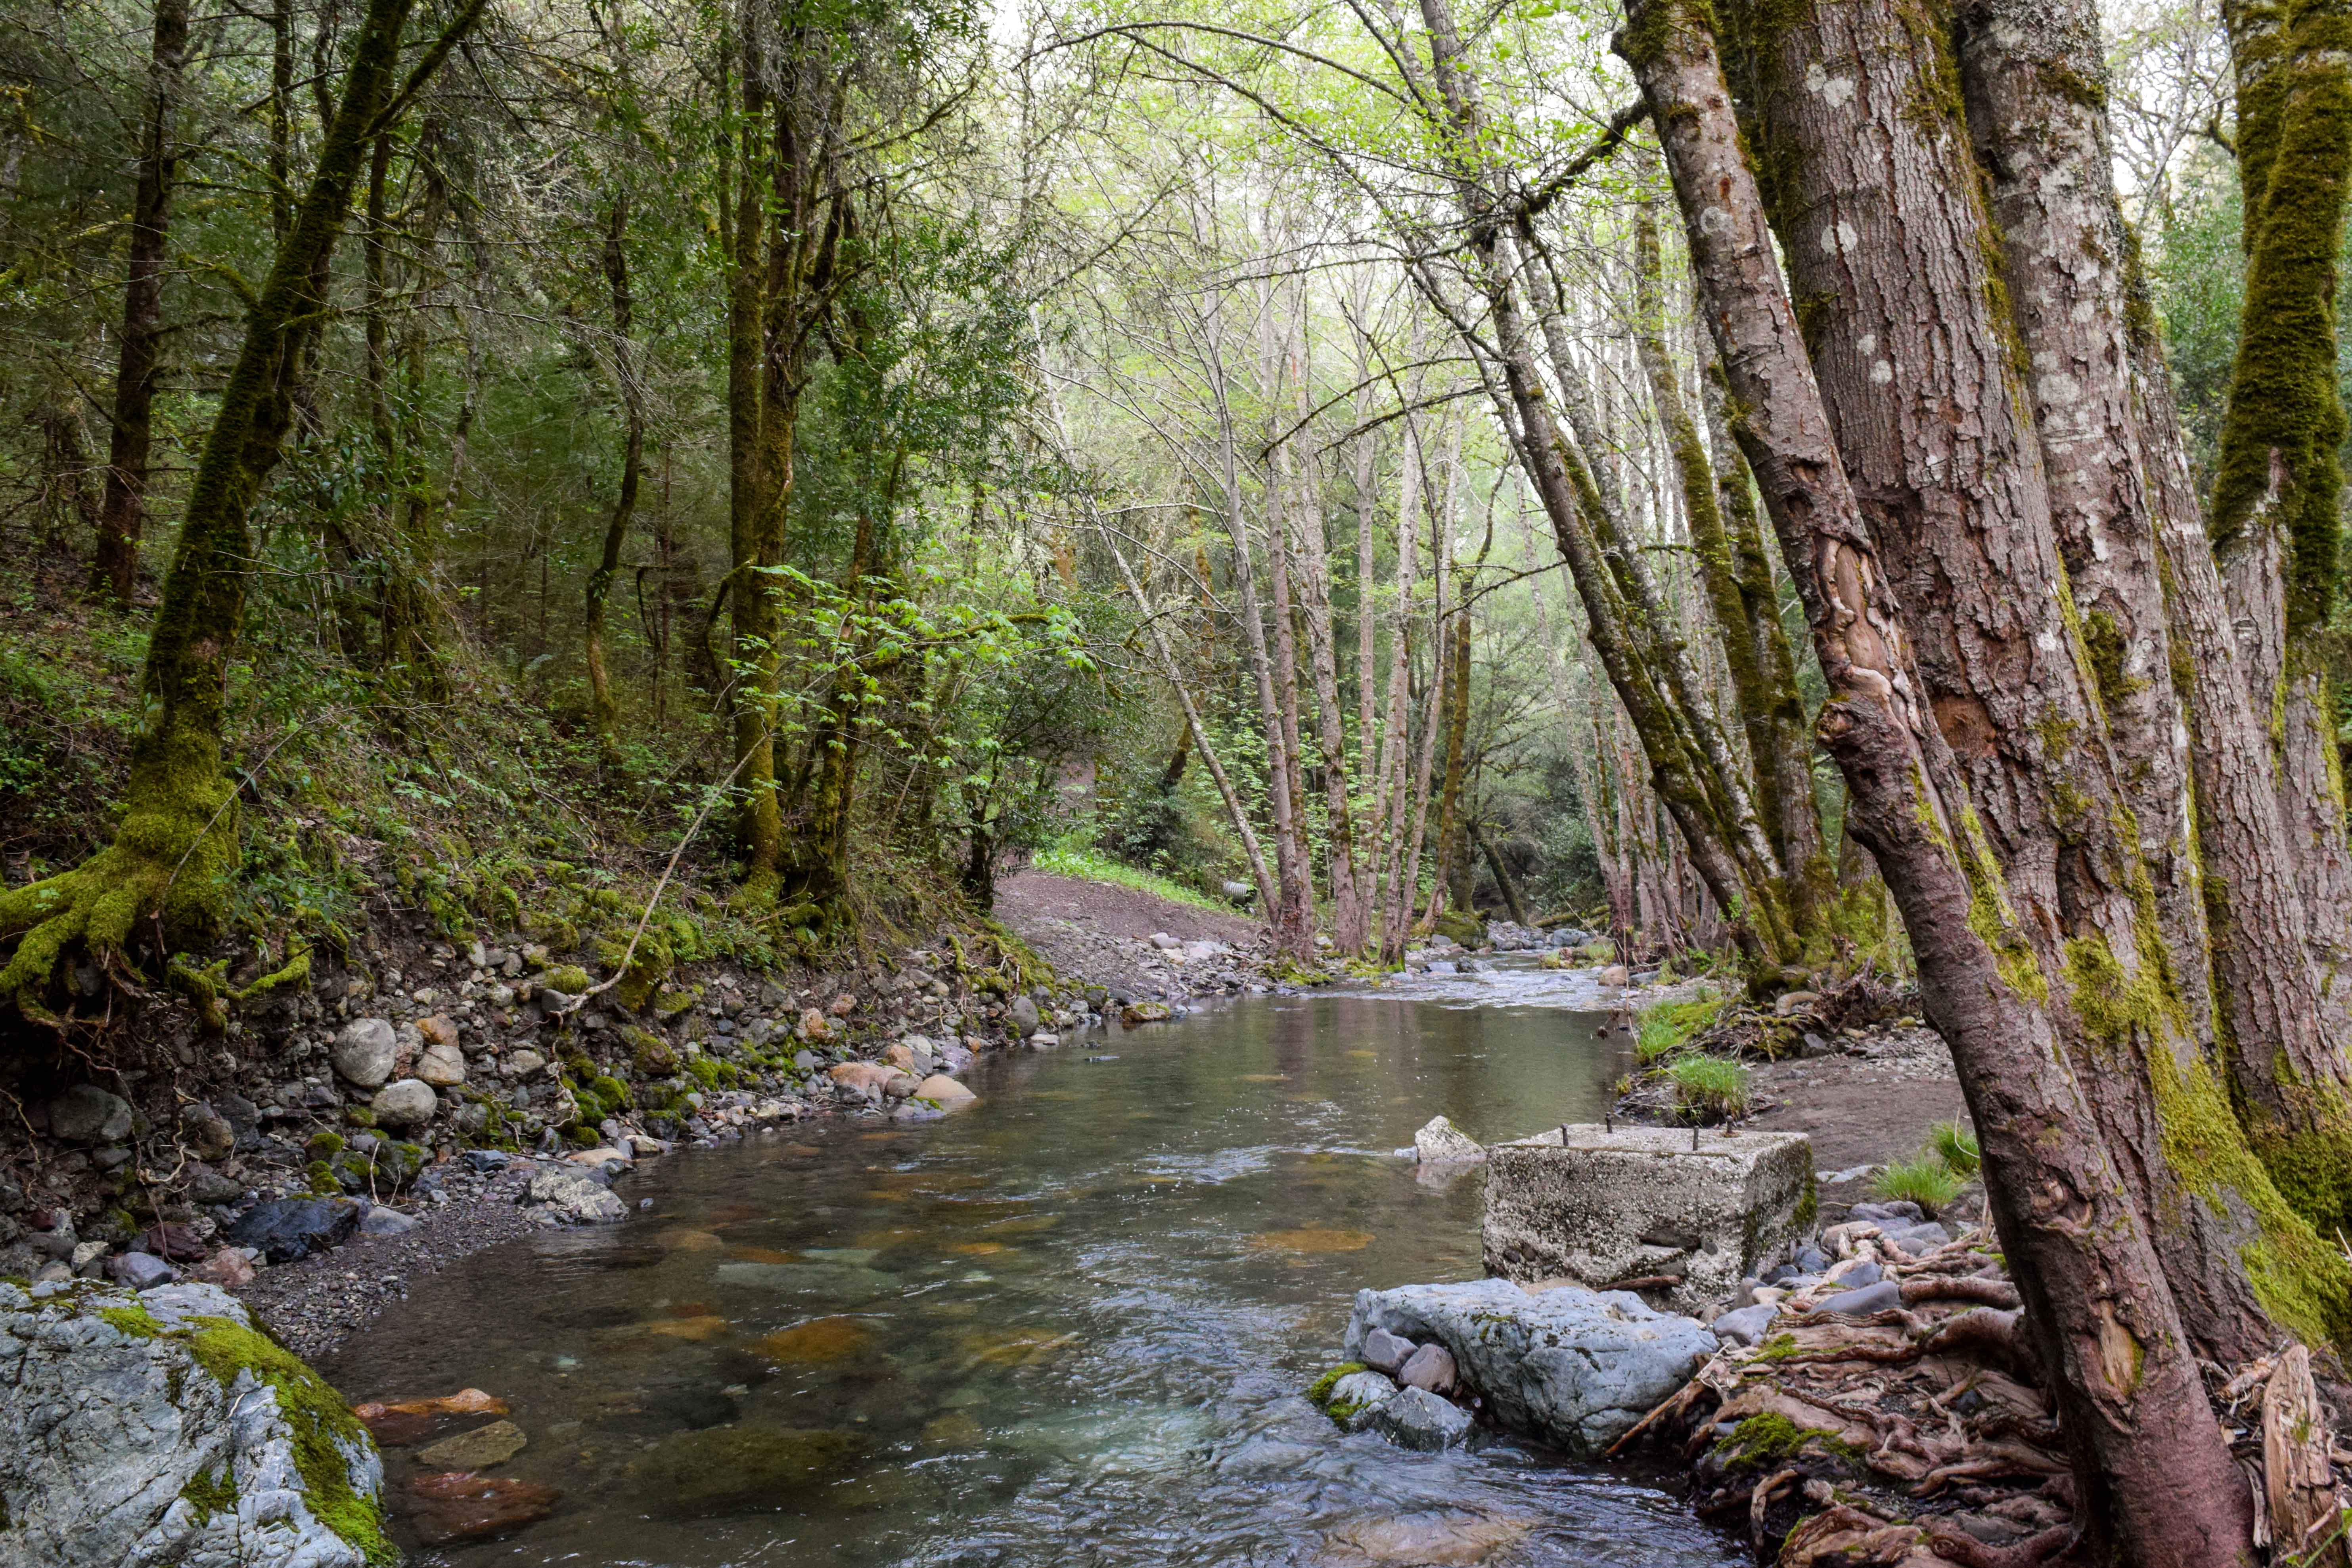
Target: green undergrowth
x,y
1665,1027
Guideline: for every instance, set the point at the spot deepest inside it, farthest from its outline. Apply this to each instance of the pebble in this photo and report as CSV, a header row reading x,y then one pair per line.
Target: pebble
x,y
1384,1351
1747,1325
387,1222
1430,1368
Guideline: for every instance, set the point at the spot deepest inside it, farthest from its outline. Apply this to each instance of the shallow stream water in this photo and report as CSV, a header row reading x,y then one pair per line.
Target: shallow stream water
x,y
1068,1325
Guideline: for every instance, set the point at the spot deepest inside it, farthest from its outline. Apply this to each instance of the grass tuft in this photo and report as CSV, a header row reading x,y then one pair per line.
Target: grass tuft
x,y
1927,1181
1710,1089
1955,1146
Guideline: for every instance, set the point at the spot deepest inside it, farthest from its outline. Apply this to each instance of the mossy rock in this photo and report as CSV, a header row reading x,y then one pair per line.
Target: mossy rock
x,y
1599,950
323,1145
670,1004
1466,929
568,978
652,1053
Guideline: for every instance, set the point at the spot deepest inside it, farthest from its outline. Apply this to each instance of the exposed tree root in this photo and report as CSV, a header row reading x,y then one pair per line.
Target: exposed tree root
x,y
167,868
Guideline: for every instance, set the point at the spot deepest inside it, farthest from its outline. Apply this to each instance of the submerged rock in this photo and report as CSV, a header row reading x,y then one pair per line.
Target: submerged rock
x,y
478,1449
447,1509
728,1470
1573,1367
159,1428
1416,1418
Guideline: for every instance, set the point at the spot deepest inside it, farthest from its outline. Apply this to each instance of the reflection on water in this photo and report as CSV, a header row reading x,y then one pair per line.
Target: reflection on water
x,y
1069,1325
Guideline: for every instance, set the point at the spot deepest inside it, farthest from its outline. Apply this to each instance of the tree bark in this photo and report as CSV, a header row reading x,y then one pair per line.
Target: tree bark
x,y
2151,1456
2112,446
604,712
1888,246
123,506
2277,519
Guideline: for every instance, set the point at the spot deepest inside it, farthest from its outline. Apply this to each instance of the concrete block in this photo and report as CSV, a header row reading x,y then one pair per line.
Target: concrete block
x,y
1601,1207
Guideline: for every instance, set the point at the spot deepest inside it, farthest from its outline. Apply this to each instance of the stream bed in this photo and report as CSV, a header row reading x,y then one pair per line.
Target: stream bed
x,y
1069,1325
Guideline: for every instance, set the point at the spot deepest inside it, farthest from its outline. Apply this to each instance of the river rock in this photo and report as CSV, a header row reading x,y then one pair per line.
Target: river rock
x,y
1573,1367
88,1114
1440,1142
1023,1017
206,1133
572,1197
1352,1395
943,1092
291,1228
443,1067
1384,1351
1136,1013
1443,966
1431,1368
868,1078
364,1052
206,1185
140,1270
387,1222
460,1506
1596,1205
161,1429
478,1449
1416,1418
1615,975
404,1103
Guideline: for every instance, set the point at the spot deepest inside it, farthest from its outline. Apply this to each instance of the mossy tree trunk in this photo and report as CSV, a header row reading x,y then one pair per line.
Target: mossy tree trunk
x,y
2112,446
123,505
1737,577
2277,502
2158,1485
786,207
1643,651
171,858
604,713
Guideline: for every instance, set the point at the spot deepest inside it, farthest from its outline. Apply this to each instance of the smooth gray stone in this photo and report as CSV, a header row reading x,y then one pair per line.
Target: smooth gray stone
x,y
1416,1418
1747,1325
1574,1367
1384,1351
1861,1303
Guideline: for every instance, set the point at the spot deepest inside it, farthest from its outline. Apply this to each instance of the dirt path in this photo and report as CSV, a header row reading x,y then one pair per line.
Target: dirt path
x,y
1102,931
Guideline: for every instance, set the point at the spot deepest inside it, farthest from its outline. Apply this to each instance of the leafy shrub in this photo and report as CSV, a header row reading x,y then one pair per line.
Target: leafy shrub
x,y
1710,1089
1926,1181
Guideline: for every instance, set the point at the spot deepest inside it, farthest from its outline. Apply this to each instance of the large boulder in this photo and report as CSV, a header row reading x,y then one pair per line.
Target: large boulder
x,y
364,1052
1573,1367
159,1428
572,1197
1600,1205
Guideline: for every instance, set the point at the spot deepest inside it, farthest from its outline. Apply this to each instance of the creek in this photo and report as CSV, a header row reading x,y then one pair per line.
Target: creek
x,y
1068,1325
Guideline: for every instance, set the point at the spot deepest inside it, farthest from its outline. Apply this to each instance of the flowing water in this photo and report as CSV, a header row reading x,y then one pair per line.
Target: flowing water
x,y
1068,1325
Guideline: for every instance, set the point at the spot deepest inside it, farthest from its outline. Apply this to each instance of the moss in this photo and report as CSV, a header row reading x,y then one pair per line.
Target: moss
x,y
1319,1393
649,1051
647,968
324,1433
206,1494
1991,916
2285,415
670,1004
133,1321
323,1180
1809,1207
2103,641
2301,1281
323,1145
568,978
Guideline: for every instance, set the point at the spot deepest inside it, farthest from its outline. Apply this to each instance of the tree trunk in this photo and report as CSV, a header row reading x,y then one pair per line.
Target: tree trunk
x,y
1957,503
603,713
122,508
172,856
1747,614
2151,1456
2277,501
1504,881
2112,446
